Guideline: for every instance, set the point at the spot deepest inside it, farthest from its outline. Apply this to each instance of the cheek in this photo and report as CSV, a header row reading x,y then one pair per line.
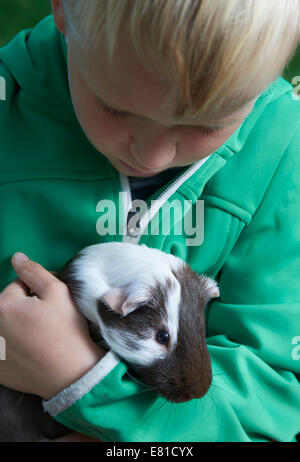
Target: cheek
x,y
103,132
194,145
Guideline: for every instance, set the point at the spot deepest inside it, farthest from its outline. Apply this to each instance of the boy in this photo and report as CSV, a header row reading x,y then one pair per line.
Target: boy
x,y
192,94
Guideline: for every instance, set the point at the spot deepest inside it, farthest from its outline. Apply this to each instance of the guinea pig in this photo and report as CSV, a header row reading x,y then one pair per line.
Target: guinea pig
x,y
147,307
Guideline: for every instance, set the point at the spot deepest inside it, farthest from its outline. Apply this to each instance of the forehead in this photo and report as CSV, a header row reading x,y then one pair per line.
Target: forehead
x,y
128,87
125,83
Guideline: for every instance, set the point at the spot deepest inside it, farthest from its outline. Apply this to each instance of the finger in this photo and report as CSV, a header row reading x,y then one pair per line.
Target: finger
x,y
17,288
37,278
54,272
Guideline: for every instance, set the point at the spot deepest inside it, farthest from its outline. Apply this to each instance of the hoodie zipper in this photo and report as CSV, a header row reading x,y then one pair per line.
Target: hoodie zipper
x,y
132,234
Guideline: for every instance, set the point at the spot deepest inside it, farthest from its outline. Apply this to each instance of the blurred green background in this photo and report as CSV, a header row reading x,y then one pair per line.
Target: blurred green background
x,y
21,14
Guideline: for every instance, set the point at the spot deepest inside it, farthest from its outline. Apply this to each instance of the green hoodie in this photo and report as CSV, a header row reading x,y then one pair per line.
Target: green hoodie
x,y
52,180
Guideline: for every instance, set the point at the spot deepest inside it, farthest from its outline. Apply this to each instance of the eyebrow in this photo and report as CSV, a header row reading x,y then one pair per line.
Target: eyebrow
x,y
212,126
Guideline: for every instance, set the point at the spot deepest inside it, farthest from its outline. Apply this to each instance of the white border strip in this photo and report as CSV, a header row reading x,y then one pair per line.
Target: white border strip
x,y
78,389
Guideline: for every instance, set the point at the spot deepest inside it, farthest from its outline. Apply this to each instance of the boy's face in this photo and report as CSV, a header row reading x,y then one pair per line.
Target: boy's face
x,y
148,141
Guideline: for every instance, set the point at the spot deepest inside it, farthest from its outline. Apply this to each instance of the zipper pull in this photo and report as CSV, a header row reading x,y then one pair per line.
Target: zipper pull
x,y
133,227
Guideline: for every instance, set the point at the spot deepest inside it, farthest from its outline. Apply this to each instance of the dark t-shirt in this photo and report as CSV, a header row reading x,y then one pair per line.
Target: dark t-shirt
x,y
143,188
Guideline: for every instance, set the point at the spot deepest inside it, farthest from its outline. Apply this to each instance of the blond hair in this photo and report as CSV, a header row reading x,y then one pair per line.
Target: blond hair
x,y
216,55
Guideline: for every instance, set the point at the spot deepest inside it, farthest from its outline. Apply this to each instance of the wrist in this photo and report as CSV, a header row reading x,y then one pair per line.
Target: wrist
x,y
78,366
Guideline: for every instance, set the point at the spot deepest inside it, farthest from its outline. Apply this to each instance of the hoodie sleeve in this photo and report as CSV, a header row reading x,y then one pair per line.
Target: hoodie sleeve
x,y
253,336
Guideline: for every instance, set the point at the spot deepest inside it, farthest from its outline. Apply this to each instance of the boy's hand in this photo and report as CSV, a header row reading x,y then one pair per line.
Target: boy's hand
x,y
48,346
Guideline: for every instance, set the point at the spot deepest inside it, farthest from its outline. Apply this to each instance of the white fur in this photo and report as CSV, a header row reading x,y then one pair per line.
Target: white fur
x,y
146,351
212,287
172,306
124,264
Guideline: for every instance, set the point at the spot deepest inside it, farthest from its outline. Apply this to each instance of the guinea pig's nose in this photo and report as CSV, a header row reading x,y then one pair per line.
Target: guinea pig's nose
x,y
187,393
189,396
185,396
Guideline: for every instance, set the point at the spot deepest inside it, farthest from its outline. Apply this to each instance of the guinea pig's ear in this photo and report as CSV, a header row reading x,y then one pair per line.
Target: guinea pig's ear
x,y
120,302
213,289
131,305
210,287
115,299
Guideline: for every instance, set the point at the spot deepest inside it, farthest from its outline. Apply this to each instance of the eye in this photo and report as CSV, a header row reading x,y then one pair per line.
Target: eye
x,y
112,112
207,131
162,337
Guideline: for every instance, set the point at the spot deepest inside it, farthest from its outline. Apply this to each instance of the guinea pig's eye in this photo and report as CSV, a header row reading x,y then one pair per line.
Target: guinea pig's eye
x,y
162,337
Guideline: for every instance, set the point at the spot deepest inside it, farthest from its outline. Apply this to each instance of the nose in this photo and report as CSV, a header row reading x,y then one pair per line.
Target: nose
x,y
154,151
187,392
185,396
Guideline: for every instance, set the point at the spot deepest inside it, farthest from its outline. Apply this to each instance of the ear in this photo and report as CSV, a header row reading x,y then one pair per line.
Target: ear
x,y
59,15
120,302
212,289
209,287
115,298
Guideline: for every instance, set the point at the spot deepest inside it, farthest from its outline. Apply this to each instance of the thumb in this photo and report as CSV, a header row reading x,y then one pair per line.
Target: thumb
x,y
37,278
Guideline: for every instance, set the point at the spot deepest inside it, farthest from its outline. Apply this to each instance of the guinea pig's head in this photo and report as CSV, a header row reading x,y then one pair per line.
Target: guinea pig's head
x,y
160,331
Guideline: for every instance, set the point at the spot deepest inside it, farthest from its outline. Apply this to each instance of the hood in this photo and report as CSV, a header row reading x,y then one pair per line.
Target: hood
x,y
37,60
